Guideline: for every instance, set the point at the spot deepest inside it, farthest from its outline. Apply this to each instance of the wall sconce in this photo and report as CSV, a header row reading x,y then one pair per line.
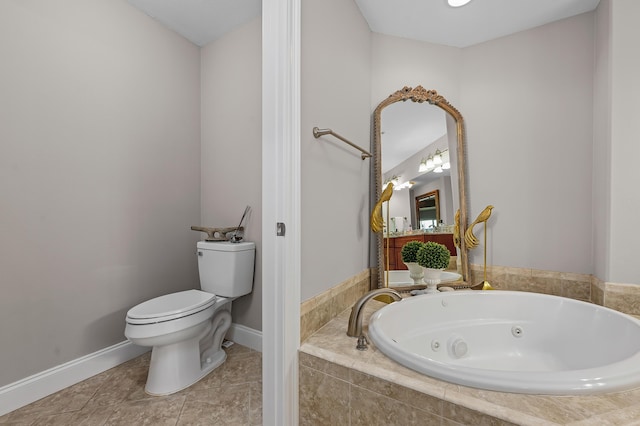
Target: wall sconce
x,y
430,162
395,180
435,163
426,164
437,158
397,186
404,185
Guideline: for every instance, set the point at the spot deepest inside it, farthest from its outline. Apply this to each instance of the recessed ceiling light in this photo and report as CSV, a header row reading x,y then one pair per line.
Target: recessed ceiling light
x,y
458,3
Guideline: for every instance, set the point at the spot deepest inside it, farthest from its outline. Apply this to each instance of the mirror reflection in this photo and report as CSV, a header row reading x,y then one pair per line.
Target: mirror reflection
x,y
427,212
420,147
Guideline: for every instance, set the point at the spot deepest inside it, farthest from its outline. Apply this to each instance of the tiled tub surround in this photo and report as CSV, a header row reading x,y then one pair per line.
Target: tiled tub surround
x,y
574,286
319,310
621,297
341,385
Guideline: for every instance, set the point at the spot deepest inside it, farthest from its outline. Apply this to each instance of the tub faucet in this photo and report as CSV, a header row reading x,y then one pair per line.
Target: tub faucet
x,y
355,320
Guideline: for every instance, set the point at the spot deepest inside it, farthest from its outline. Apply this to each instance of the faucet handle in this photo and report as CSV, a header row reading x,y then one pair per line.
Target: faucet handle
x,y
362,343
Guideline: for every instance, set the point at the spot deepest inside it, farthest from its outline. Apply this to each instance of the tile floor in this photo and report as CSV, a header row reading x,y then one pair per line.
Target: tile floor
x,y
117,397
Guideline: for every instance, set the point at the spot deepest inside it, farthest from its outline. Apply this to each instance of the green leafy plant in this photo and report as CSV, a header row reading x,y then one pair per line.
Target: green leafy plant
x,y
410,250
433,255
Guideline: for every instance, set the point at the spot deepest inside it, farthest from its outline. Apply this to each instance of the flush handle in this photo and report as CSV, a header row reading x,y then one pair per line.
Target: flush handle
x,y
200,253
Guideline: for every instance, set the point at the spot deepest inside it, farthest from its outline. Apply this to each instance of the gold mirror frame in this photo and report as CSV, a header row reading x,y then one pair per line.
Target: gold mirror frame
x,y
421,95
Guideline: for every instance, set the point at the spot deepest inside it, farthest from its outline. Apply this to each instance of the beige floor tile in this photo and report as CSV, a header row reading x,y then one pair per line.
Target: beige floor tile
x,y
225,405
231,394
157,412
242,368
96,416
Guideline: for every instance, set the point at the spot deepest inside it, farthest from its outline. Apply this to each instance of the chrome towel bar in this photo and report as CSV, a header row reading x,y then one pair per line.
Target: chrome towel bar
x,y
321,132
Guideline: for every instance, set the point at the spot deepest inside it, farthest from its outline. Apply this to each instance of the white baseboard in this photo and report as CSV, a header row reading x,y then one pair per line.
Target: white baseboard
x,y
33,388
245,336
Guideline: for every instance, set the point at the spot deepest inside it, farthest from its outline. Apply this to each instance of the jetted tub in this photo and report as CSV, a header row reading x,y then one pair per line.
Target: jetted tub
x,y
512,342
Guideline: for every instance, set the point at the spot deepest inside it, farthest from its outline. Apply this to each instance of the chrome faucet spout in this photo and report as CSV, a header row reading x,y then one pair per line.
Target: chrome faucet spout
x,y
355,320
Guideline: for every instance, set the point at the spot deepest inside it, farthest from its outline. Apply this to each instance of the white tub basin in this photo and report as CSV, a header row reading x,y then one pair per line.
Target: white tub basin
x,y
512,342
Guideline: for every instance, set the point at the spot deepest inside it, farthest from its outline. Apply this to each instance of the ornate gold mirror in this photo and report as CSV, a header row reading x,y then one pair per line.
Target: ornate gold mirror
x,y
412,127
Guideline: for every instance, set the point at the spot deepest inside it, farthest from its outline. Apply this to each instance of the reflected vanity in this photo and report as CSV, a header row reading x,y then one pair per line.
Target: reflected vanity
x,y
411,128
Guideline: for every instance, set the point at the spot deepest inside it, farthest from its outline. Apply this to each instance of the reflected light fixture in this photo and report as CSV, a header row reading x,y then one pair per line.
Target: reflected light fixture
x,y
435,162
430,162
423,166
458,3
394,180
402,186
437,158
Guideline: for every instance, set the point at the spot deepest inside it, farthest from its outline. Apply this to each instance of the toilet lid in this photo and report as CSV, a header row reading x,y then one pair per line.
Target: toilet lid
x,y
175,304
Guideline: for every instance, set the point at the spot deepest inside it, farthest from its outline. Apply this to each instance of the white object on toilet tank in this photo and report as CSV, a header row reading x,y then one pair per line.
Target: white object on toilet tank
x,y
226,269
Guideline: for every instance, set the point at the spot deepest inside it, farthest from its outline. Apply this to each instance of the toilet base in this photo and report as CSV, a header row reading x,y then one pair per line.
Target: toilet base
x,y
165,380
179,365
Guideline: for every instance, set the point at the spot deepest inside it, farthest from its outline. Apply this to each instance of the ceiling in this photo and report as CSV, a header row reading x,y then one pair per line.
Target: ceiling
x,y
434,21
200,21
407,127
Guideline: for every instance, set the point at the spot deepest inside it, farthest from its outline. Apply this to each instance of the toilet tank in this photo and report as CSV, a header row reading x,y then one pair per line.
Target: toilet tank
x,y
226,269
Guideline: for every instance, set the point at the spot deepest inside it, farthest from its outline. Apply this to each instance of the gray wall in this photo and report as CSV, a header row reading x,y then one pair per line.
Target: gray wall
x,y
601,181
527,104
624,95
231,146
335,83
99,175
397,62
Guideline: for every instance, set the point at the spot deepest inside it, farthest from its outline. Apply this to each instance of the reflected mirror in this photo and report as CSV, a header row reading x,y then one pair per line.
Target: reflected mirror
x,y
419,147
427,210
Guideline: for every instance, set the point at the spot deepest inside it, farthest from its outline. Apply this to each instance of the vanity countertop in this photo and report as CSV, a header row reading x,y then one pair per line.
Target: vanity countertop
x,y
331,343
414,233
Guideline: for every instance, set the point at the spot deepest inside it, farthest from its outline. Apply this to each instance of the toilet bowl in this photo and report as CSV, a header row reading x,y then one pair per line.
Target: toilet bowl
x,y
186,329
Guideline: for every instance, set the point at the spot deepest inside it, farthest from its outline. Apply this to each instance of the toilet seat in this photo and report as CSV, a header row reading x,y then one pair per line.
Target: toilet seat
x,y
170,307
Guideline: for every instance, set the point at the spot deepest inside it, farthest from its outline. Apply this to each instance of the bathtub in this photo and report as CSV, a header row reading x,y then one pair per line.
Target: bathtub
x,y
512,342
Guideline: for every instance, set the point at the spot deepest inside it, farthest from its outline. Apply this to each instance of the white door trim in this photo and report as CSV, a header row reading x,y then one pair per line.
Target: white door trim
x,y
280,203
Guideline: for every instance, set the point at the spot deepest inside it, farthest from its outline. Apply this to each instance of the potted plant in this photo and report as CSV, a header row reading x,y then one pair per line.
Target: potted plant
x,y
434,258
409,253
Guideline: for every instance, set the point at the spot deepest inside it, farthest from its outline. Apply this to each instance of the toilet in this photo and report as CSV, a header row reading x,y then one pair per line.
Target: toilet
x,y
186,329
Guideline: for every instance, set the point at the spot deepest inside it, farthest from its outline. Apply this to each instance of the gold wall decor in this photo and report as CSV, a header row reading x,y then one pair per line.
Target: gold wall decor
x,y
472,241
420,95
377,221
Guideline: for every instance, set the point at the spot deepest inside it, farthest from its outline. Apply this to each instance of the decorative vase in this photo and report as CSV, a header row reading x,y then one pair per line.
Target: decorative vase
x,y
416,272
432,279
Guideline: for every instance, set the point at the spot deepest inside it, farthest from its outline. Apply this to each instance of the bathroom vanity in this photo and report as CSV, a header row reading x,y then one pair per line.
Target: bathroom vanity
x,y
395,244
